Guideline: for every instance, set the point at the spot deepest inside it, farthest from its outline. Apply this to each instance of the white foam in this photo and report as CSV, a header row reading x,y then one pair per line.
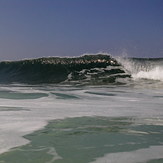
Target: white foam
x,y
141,155
143,70
154,74
36,112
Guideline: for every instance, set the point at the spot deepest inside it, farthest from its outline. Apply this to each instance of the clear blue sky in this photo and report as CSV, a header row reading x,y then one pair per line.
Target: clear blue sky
x,y
36,28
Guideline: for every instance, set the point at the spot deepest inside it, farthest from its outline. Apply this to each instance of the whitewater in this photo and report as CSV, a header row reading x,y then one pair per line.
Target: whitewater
x,y
88,109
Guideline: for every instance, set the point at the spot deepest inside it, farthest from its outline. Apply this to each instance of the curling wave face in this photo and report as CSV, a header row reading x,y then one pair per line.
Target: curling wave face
x,y
87,69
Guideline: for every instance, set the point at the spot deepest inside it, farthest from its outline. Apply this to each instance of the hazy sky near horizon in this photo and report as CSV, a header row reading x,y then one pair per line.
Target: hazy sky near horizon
x,y
36,28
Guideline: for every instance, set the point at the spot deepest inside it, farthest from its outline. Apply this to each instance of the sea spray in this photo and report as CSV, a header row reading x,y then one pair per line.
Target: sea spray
x,y
143,68
154,74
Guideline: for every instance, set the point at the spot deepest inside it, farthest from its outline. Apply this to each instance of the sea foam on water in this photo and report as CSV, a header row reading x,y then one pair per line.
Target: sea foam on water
x,y
154,74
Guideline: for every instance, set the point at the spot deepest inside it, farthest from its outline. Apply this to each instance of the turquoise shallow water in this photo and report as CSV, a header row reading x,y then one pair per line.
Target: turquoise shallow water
x,y
84,139
81,124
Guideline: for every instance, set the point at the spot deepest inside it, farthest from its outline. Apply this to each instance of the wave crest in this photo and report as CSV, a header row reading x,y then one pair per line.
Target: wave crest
x,y
88,69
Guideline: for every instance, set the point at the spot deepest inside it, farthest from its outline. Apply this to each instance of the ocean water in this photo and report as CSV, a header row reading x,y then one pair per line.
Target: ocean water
x,y
90,109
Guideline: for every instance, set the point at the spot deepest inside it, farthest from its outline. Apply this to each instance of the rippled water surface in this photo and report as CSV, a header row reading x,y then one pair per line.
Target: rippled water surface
x,y
81,124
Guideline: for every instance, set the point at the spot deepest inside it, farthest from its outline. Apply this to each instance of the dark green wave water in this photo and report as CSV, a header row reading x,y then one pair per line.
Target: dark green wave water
x,y
90,68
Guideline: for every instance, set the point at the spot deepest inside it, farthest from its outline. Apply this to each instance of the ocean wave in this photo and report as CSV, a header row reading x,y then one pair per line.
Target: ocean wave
x,y
88,69
99,69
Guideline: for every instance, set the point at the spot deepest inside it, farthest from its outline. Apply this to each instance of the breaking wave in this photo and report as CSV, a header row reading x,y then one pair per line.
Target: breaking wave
x,y
144,68
88,69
